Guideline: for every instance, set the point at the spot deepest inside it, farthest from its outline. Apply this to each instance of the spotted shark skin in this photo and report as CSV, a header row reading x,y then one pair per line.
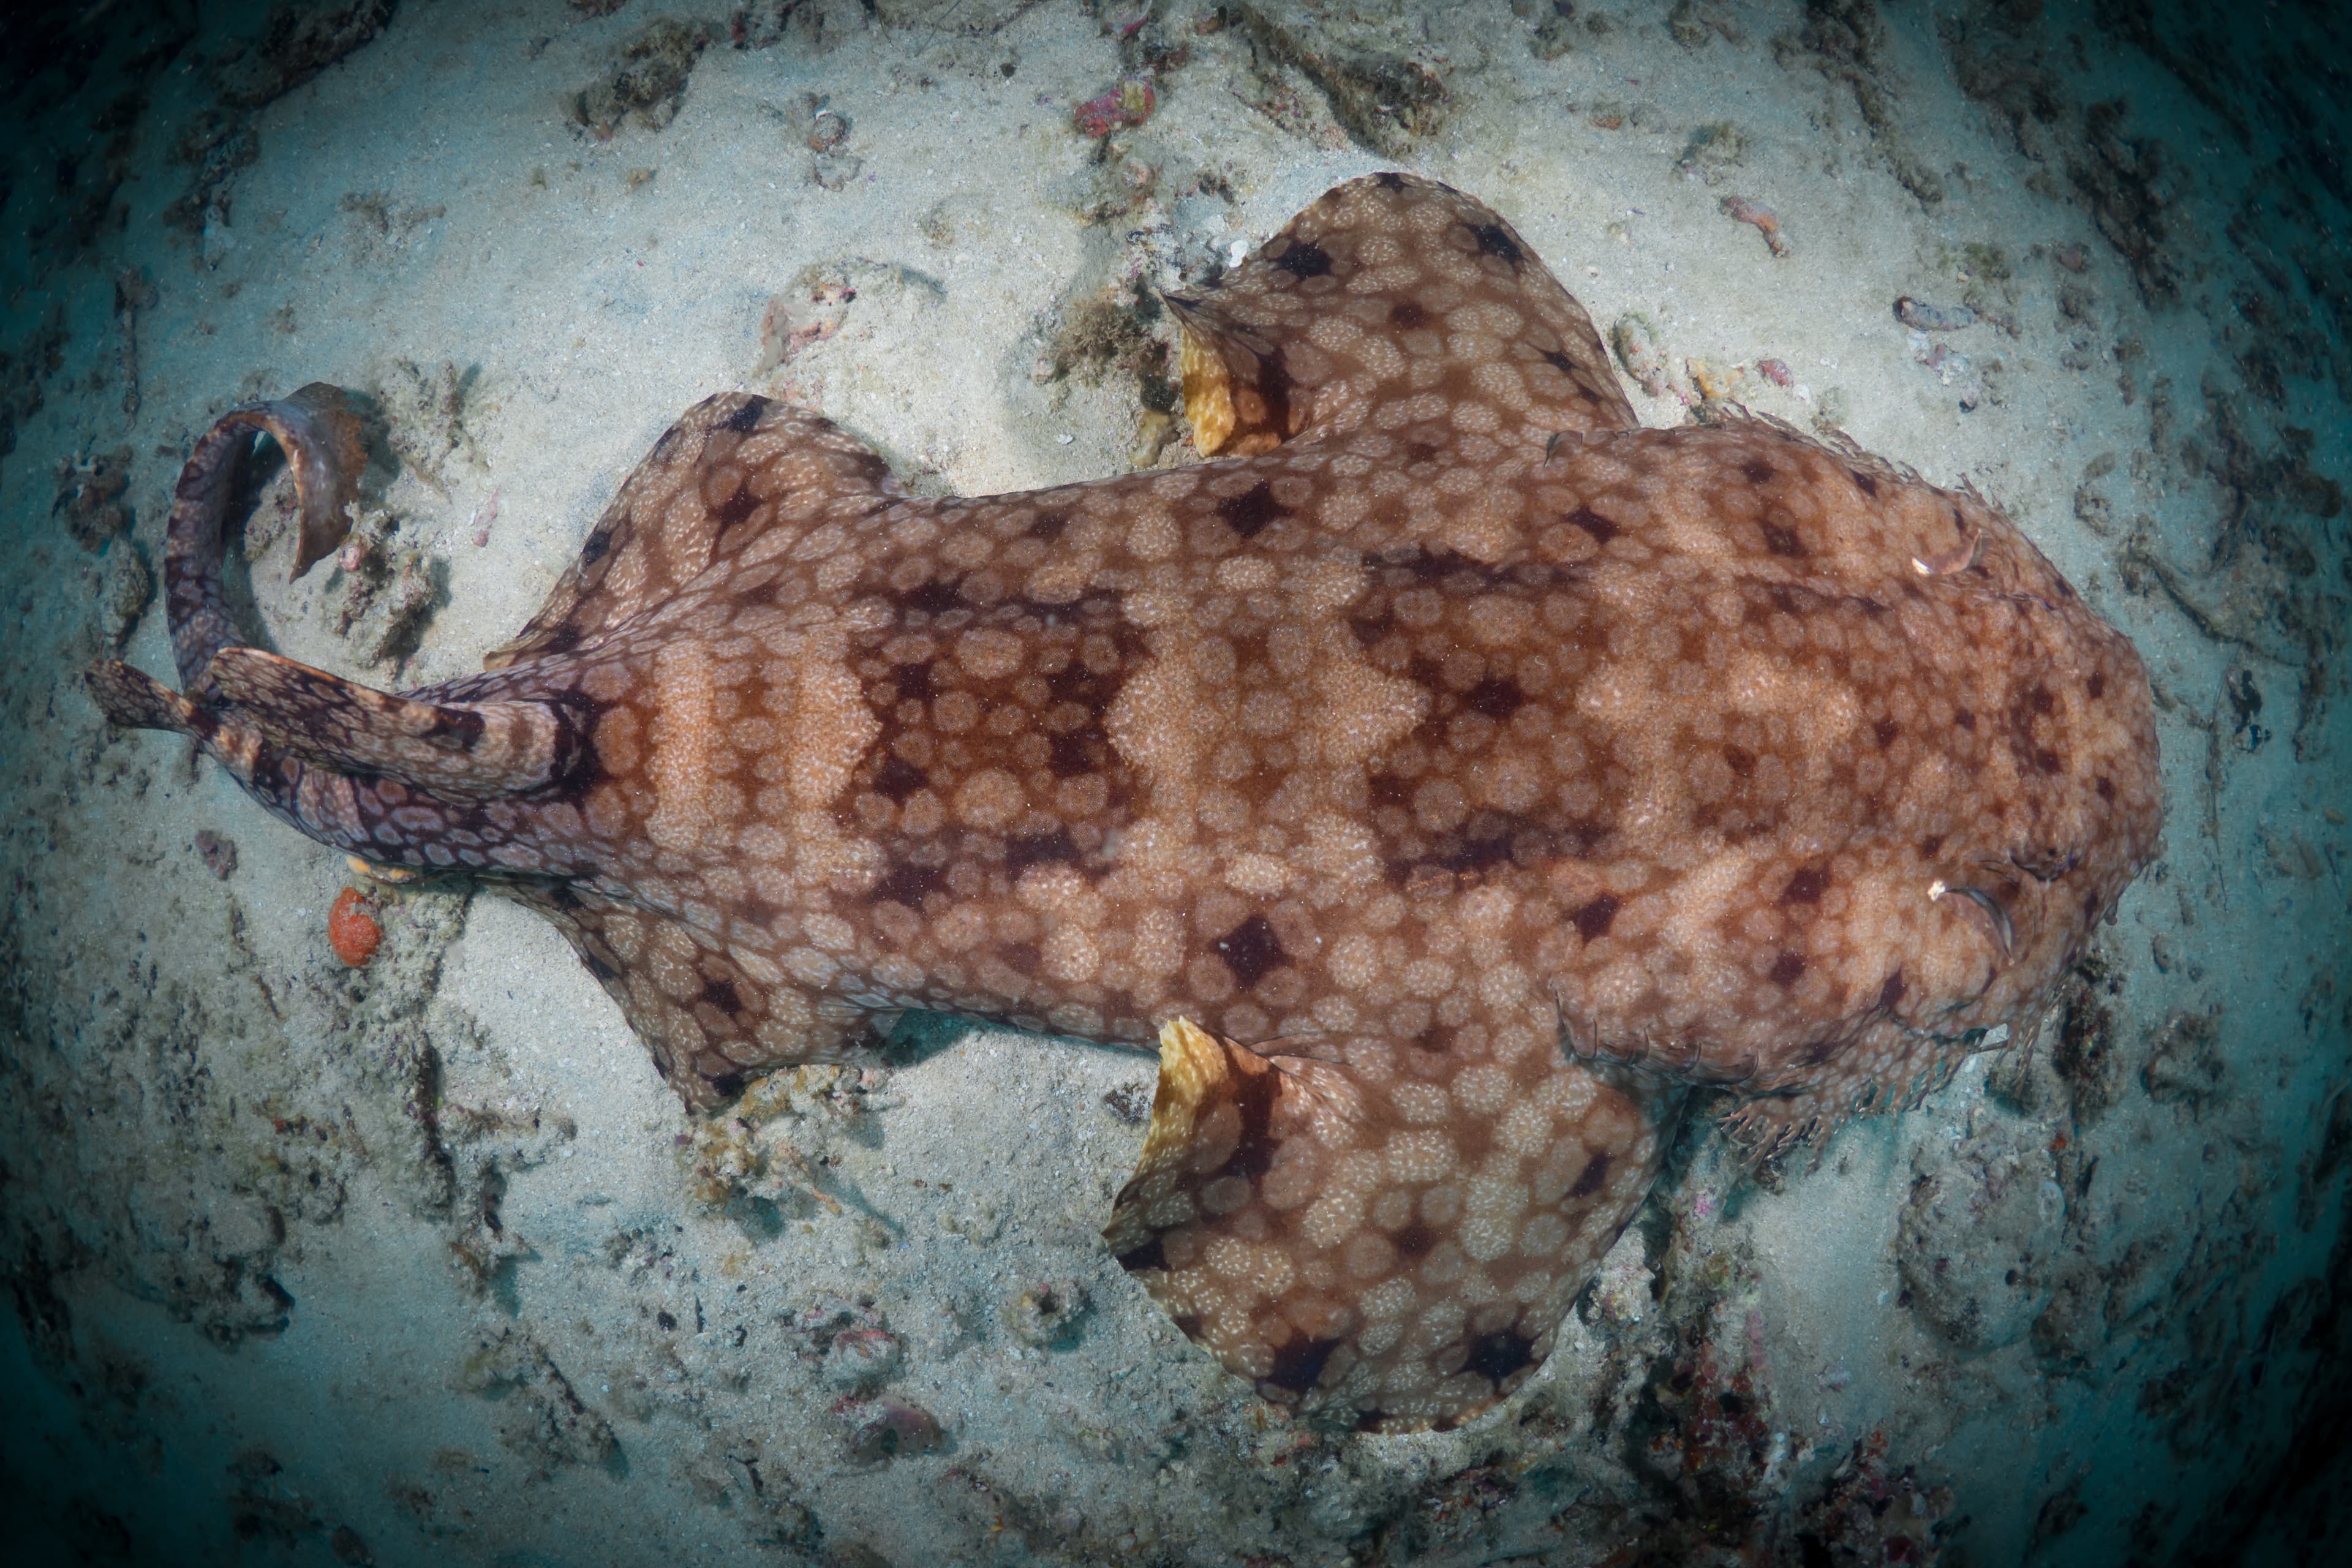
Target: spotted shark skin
x,y
1450,774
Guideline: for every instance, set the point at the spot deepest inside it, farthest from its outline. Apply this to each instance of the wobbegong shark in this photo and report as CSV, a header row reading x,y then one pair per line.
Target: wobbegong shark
x,y
1448,771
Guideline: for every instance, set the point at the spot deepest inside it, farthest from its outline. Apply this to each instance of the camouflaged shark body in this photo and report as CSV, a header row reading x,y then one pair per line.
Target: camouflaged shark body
x,y
1449,774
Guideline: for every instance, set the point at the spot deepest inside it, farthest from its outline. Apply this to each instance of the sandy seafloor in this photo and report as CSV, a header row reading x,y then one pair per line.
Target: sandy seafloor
x,y
422,1263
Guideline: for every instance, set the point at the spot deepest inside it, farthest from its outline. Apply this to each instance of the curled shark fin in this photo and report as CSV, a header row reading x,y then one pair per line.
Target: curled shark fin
x,y
452,751
319,428
323,436
1358,1235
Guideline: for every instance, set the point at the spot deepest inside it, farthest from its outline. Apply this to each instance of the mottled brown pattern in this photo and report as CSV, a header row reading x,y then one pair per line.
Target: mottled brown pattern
x,y
1479,767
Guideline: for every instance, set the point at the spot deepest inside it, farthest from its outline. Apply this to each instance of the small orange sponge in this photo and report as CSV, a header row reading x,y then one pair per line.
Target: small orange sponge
x,y
352,932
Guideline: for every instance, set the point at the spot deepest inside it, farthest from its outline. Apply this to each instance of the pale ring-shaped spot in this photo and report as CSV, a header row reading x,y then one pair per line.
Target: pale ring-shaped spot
x,y
1423,1104
990,800
1419,1156
1483,1088
1544,1235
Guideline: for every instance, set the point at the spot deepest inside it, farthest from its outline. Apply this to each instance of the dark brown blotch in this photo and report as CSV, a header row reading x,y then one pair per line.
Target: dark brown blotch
x,y
454,729
914,682
907,882
1499,1354
1407,315
1757,471
1077,753
735,508
898,779
1273,388
593,548
1414,1240
1589,1181
1493,240
1305,259
1592,920
1498,697
1593,524
1787,968
1298,1364
721,994
865,468
1091,689
1863,482
746,418
1048,525
935,597
1254,1098
1806,887
1039,849
1782,542
1885,730
1251,950
1249,512
1480,849
1150,1255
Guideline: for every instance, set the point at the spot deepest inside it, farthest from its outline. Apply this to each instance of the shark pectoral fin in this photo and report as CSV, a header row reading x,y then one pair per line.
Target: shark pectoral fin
x,y
1387,289
733,471
1349,1235
450,751
713,1016
137,701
